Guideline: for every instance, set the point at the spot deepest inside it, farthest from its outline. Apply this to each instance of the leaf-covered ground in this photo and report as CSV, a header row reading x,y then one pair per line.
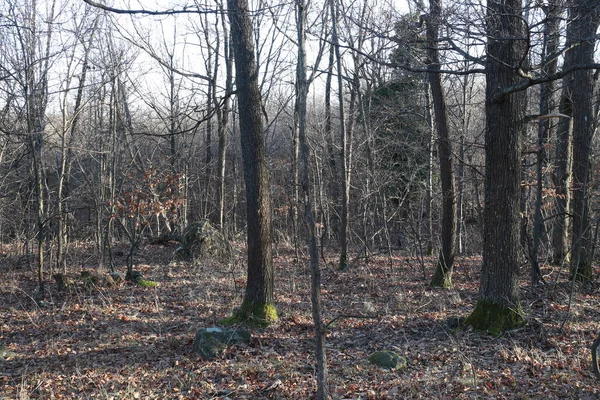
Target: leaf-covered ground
x,y
130,342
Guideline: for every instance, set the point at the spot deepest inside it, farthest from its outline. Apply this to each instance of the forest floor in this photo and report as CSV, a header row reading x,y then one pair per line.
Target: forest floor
x,y
130,342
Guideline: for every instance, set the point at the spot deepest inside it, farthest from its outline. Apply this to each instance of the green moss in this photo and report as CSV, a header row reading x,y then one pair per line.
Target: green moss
x,y
495,318
388,360
430,250
441,279
146,283
260,315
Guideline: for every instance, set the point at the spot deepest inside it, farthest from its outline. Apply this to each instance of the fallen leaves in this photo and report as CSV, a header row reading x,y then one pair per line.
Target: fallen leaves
x,y
132,342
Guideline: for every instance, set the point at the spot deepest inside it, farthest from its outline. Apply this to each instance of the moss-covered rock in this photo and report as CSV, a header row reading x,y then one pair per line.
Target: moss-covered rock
x,y
495,318
212,342
146,283
200,240
260,315
388,359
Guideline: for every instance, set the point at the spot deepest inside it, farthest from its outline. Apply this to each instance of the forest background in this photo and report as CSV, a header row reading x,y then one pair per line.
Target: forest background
x,y
405,140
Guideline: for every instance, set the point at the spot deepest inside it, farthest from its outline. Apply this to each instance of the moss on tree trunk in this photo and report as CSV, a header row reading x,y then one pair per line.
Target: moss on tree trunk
x,y
442,277
495,318
260,315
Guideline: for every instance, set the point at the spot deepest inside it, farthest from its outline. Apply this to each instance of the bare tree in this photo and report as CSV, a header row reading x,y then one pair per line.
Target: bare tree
x,y
259,301
548,59
443,269
344,141
498,307
584,17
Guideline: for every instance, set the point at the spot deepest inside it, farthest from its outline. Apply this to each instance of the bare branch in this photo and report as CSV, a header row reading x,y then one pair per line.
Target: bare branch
x,y
185,10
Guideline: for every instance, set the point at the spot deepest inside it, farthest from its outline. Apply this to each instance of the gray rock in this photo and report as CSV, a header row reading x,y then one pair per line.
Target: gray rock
x,y
202,240
388,359
212,342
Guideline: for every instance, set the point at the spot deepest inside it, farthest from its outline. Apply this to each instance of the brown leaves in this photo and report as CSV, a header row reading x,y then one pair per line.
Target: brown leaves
x,y
127,342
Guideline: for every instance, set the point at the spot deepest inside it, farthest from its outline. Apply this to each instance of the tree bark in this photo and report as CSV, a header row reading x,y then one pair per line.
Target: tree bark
x,y
344,166
258,304
561,174
443,270
550,47
498,307
309,220
584,19
223,121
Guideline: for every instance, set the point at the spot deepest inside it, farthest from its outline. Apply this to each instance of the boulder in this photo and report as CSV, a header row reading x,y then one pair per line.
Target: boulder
x,y
212,342
388,359
200,240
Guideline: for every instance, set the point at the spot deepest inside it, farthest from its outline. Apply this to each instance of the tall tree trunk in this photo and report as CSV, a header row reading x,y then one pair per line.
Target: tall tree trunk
x,y
344,166
36,98
443,270
498,307
584,19
259,301
331,164
65,163
223,120
429,183
551,38
561,174
309,220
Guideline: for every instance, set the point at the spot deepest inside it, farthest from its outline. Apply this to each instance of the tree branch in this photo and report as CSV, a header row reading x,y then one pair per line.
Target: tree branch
x,y
185,10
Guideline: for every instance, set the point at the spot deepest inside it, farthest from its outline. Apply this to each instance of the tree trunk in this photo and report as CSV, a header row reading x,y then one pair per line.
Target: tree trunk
x,y
551,38
429,184
443,270
561,174
584,19
498,307
258,305
223,120
344,167
309,221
